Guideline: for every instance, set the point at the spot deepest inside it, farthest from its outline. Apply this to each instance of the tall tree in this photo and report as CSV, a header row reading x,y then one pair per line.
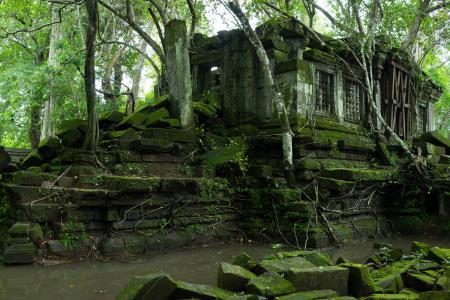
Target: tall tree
x,y
90,142
48,122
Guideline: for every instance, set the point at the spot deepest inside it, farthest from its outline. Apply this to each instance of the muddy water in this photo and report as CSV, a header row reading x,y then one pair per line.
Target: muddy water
x,y
103,280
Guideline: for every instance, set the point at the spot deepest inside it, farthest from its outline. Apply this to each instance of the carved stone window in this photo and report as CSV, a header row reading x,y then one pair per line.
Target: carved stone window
x,y
352,101
421,120
324,98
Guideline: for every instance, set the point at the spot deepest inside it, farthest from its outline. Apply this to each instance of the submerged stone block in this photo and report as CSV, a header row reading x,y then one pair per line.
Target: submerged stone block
x,y
270,284
319,278
233,278
159,286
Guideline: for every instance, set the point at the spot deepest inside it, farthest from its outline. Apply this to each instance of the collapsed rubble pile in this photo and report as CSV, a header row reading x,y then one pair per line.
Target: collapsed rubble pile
x,y
308,275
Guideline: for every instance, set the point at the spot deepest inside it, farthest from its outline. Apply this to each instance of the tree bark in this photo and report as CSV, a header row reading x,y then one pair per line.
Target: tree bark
x,y
48,122
265,64
90,142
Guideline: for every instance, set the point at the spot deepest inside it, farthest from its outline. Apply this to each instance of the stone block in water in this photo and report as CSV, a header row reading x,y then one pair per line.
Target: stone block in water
x,y
233,278
310,295
159,286
19,254
270,284
439,255
319,278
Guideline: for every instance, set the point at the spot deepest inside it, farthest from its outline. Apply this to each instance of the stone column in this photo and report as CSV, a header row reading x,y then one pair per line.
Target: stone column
x,y
179,71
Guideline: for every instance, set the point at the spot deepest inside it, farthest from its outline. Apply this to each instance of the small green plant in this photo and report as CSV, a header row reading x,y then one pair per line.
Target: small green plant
x,y
71,232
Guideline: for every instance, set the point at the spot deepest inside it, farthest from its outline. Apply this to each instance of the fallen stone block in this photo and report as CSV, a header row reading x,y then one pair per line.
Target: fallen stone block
x,y
186,290
435,295
245,261
390,284
310,295
33,159
49,147
233,278
319,278
19,229
439,255
391,297
420,282
281,265
159,286
317,258
419,247
270,284
443,281
360,283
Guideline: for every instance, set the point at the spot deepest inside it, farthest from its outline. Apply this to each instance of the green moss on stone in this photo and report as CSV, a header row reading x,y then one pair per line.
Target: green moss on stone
x,y
270,284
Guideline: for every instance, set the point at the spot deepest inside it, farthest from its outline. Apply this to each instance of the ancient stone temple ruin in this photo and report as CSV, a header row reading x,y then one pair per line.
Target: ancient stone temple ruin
x,y
315,80
157,182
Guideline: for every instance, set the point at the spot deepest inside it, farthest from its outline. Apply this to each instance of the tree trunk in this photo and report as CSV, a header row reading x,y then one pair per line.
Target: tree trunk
x,y
265,64
90,141
413,30
117,82
48,122
137,72
34,131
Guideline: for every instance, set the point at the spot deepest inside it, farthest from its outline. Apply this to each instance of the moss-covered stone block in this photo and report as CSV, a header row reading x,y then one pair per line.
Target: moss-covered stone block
x,y
435,295
420,282
110,119
281,265
421,248
112,246
439,255
391,297
438,137
156,116
392,283
360,283
233,278
443,282
27,178
171,134
308,164
319,278
158,286
128,134
359,174
186,290
383,154
245,261
154,145
20,229
311,295
317,258
136,120
135,244
335,184
49,147
33,159
204,109
21,253
270,284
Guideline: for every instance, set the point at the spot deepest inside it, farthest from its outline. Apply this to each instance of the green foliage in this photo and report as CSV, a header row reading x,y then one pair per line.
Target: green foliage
x,y
71,232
